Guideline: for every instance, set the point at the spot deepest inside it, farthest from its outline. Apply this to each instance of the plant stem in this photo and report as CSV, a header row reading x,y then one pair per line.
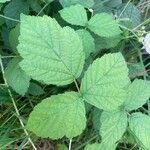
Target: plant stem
x,y
70,142
8,18
15,106
43,8
77,85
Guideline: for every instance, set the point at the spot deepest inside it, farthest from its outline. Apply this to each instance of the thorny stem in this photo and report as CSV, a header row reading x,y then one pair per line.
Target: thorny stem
x,y
15,107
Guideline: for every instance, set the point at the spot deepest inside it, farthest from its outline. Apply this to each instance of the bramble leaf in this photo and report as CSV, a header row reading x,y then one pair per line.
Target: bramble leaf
x,y
87,41
138,93
51,54
16,77
113,126
13,38
101,146
58,116
140,126
103,82
75,15
103,25
14,9
85,3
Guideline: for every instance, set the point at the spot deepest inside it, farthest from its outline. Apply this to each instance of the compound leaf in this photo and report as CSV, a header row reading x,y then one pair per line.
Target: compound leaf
x,y
113,125
51,54
140,126
138,93
16,77
103,82
75,14
58,116
104,25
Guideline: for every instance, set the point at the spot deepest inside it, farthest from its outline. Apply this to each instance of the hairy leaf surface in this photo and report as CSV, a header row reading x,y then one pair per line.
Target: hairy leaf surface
x,y
75,14
51,54
58,116
140,126
138,93
113,125
103,25
103,82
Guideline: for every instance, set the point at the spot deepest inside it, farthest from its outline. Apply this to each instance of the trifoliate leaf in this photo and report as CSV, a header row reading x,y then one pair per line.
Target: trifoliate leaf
x,y
14,9
138,93
130,11
103,82
16,77
85,3
3,1
51,54
103,25
87,41
101,146
75,15
140,126
113,126
58,116
13,38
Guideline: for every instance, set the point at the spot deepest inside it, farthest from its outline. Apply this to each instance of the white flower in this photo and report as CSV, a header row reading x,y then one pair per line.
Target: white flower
x,y
147,43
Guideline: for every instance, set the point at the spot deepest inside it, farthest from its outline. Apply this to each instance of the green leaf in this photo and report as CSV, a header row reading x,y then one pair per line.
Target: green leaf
x,y
16,77
113,125
35,89
136,70
106,43
103,82
51,54
5,142
87,41
13,38
4,1
130,11
35,6
96,115
4,95
85,3
113,3
58,116
101,146
104,25
75,15
140,126
138,93
14,9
